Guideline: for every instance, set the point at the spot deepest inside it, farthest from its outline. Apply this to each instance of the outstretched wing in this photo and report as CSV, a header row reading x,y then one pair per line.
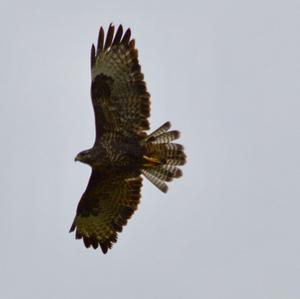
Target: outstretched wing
x,y
119,95
105,208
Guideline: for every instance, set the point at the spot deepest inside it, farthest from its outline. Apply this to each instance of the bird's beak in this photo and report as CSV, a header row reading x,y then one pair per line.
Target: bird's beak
x,y
76,159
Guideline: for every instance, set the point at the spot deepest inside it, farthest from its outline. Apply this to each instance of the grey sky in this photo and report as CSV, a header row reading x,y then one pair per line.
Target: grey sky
x,y
226,74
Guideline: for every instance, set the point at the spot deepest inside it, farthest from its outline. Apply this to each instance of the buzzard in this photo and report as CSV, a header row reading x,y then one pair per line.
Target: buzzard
x,y
122,151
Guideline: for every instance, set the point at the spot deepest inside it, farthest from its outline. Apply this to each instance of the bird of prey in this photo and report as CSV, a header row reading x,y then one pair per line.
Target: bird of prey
x,y
122,151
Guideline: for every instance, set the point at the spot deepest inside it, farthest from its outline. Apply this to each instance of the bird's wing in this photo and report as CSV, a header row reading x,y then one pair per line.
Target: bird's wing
x,y
119,95
105,208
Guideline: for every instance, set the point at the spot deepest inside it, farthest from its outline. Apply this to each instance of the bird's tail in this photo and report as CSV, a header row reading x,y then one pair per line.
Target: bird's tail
x,y
162,156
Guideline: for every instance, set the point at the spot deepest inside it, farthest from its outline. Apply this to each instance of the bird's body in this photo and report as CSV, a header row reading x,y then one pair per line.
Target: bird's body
x,y
115,153
122,151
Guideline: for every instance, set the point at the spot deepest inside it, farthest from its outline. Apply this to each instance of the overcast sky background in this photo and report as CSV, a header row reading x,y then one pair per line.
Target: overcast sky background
x,y
226,74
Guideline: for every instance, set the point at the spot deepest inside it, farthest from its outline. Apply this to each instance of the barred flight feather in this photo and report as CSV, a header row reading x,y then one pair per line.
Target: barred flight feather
x,y
166,137
162,129
155,181
164,173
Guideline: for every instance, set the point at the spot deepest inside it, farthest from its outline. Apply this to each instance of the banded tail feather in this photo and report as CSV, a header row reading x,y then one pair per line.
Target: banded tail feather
x,y
161,185
162,129
162,156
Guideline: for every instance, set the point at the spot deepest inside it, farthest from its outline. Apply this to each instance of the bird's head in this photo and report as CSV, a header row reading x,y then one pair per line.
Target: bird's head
x,y
85,157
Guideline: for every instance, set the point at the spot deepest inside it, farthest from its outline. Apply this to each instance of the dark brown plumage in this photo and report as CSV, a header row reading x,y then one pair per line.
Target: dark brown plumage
x,y
122,151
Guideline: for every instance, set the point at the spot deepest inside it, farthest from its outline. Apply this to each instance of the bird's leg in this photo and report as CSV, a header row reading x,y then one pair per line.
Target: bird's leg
x,y
151,161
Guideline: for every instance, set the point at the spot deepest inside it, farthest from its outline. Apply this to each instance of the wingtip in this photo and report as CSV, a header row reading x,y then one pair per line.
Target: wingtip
x,y
109,36
100,40
93,55
104,248
118,35
126,37
120,27
72,228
